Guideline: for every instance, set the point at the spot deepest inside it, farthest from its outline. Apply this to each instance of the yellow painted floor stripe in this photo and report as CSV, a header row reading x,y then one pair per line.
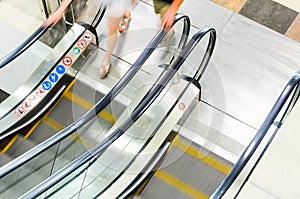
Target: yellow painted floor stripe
x,y
9,144
54,124
180,185
211,161
39,121
87,105
51,109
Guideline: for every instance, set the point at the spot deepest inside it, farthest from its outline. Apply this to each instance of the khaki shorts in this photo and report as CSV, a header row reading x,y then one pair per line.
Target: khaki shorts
x,y
161,7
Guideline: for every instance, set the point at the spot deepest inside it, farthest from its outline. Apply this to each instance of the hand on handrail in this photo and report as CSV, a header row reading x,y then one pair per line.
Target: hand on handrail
x,y
57,15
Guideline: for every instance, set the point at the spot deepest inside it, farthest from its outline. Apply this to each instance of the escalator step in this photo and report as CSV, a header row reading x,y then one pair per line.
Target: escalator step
x,y
19,147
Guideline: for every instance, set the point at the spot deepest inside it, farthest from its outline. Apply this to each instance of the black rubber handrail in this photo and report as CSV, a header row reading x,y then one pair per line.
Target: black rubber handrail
x,y
292,85
29,155
92,28
24,46
37,35
145,103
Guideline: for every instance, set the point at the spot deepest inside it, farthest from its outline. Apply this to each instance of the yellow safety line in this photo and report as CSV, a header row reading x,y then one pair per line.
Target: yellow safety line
x,y
87,105
211,161
174,141
175,182
47,114
57,126
38,122
9,144
54,124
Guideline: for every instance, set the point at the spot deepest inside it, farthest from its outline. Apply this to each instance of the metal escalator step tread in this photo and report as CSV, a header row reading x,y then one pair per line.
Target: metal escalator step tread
x,y
157,188
4,158
192,172
19,147
86,92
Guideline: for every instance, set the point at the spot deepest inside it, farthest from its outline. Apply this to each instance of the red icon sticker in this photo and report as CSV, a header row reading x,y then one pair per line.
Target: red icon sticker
x,y
26,106
32,99
19,111
87,36
67,61
40,92
81,44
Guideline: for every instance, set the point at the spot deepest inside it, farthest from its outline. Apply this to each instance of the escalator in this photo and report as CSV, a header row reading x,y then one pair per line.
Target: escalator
x,y
105,177
35,105
40,92
49,126
128,148
188,171
86,138
76,98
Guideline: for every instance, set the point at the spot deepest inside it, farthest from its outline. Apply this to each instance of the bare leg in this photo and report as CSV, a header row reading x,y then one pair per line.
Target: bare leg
x,y
113,24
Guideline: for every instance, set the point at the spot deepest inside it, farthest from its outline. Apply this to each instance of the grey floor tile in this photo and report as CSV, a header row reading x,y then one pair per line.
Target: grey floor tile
x,y
270,14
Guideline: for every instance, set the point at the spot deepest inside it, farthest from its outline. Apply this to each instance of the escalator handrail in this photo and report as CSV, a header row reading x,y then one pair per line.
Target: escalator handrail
x,y
27,156
32,39
253,145
145,103
24,46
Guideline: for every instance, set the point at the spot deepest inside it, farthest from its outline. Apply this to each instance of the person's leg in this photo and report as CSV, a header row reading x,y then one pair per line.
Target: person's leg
x,y
113,23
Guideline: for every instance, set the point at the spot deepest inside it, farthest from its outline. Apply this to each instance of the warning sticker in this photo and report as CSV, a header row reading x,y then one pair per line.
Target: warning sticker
x,y
81,44
40,92
26,106
67,61
20,111
32,99
87,36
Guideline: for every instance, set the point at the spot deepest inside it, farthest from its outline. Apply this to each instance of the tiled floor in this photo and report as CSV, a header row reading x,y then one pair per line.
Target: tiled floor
x,y
294,30
279,15
270,14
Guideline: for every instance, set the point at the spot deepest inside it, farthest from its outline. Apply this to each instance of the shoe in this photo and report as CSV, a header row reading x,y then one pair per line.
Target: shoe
x,y
104,70
124,24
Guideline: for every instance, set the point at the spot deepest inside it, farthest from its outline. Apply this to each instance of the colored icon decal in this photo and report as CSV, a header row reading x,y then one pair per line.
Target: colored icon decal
x,y
46,85
40,92
81,44
60,69
67,61
32,99
19,111
26,106
53,77
76,50
87,36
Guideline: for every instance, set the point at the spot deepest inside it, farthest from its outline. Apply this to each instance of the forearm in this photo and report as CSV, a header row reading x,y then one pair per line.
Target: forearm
x,y
64,4
176,4
54,17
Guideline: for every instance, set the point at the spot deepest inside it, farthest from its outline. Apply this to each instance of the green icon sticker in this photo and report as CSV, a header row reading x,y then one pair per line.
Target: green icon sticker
x,y
76,50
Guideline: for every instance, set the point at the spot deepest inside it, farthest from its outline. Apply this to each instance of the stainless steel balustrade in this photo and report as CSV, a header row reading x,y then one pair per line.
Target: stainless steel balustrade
x,y
100,105
82,162
291,89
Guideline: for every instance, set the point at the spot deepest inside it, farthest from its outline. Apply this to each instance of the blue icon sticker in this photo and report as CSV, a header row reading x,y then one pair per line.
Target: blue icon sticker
x,y
53,77
60,69
46,85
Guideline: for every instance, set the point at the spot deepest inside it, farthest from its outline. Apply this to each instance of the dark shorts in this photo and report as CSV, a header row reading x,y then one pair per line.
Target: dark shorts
x,y
161,7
